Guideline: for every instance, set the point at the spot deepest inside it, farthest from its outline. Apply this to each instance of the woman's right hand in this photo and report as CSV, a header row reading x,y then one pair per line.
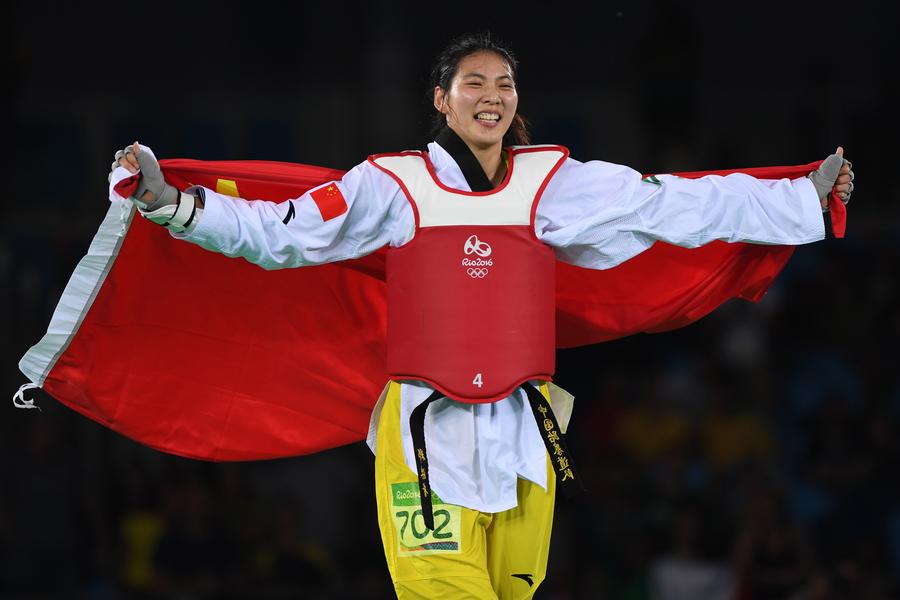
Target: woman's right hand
x,y
153,192
156,200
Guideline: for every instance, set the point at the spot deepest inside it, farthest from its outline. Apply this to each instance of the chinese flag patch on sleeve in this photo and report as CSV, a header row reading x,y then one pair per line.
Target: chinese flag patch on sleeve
x,y
330,201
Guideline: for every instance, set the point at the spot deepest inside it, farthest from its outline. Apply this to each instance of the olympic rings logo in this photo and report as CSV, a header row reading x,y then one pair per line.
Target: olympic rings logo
x,y
473,244
477,273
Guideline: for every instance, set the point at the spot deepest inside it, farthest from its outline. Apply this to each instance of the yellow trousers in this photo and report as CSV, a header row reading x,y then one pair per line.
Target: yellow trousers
x,y
470,554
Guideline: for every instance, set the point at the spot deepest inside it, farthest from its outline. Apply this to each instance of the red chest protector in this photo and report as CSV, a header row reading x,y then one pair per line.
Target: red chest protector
x,y
471,298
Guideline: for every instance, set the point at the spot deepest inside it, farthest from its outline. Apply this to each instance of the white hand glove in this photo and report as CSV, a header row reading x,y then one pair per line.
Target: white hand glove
x,y
160,192
833,174
156,200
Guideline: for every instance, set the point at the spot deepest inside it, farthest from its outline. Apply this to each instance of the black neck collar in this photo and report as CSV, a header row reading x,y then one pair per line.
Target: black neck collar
x,y
468,164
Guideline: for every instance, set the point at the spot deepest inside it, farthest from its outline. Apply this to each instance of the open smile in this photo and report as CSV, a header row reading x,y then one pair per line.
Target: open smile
x,y
488,119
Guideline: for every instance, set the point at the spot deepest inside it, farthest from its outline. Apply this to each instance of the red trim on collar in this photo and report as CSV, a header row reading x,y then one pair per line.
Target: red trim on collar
x,y
446,188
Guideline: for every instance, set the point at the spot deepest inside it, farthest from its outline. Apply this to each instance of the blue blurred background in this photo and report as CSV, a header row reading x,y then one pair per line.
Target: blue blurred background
x,y
753,455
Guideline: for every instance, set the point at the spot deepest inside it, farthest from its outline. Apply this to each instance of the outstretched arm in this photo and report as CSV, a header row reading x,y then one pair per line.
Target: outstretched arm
x,y
339,220
599,214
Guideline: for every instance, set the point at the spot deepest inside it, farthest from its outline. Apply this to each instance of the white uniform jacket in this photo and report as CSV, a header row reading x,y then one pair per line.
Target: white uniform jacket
x,y
594,214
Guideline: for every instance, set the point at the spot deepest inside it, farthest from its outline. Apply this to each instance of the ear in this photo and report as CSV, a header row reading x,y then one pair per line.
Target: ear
x,y
440,100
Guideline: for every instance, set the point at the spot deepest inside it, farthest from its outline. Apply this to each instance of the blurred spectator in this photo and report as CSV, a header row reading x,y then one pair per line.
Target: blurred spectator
x,y
140,529
191,556
42,510
649,428
733,434
283,563
683,572
773,560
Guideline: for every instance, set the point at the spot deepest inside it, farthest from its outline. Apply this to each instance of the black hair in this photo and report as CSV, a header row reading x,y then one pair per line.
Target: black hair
x,y
447,65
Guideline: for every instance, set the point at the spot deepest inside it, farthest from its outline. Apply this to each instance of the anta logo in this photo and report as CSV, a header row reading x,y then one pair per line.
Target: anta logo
x,y
473,244
526,577
290,213
477,268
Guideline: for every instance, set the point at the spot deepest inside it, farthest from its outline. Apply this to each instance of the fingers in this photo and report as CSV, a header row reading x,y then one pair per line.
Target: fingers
x,y
125,162
844,186
131,155
128,158
145,160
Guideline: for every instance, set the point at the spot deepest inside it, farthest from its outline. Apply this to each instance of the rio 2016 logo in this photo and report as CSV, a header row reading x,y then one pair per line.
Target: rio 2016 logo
x,y
473,244
477,268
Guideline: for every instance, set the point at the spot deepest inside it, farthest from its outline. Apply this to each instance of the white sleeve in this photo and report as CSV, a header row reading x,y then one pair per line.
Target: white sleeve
x,y
599,214
293,233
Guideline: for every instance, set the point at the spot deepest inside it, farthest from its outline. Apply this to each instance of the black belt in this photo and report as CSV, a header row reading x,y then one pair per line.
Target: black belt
x,y
566,476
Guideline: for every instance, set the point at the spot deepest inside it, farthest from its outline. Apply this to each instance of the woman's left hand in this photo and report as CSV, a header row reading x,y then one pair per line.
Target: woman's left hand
x,y
831,178
843,185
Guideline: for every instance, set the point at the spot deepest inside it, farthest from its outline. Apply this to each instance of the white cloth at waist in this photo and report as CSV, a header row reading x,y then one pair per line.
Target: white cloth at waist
x,y
477,452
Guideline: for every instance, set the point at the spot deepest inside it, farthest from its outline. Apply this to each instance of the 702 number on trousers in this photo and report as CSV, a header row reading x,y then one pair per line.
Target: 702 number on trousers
x,y
416,539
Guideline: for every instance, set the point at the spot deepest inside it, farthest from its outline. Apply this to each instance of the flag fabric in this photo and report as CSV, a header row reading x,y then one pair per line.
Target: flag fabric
x,y
210,357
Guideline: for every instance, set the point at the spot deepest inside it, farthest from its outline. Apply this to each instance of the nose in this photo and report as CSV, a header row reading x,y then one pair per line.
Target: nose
x,y
492,96
491,93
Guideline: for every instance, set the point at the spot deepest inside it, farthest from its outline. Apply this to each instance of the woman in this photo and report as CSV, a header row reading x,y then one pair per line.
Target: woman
x,y
470,319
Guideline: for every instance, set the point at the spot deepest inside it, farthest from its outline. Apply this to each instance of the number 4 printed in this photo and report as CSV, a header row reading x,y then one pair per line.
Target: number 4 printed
x,y
478,381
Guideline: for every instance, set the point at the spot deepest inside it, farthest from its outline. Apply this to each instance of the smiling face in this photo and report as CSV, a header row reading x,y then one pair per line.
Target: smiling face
x,y
481,101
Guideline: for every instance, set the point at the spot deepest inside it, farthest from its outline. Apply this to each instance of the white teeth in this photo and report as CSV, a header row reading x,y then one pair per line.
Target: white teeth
x,y
487,117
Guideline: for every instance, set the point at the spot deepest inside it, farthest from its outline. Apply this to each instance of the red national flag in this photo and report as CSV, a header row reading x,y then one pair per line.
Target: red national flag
x,y
330,201
260,364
